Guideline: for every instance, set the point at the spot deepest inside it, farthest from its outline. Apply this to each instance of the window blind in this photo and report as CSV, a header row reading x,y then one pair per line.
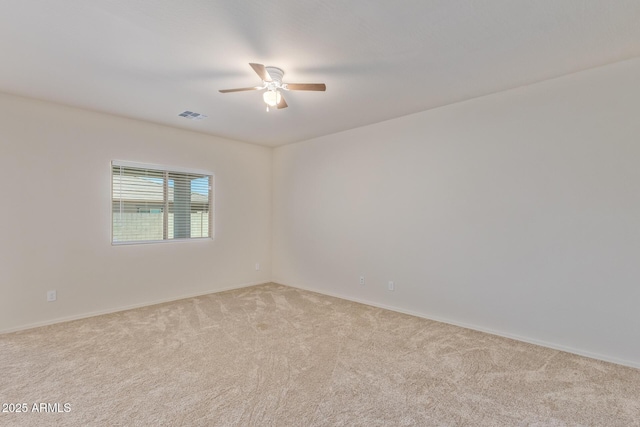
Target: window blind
x,y
153,203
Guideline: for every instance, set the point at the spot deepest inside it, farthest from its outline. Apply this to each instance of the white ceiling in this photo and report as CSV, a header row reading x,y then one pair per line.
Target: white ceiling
x,y
153,59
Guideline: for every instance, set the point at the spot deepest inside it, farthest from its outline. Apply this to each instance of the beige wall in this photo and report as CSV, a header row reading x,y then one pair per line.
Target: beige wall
x,y
55,214
517,213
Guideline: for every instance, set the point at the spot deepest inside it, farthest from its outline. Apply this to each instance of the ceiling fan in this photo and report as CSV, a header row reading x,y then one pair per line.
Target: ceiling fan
x,y
272,83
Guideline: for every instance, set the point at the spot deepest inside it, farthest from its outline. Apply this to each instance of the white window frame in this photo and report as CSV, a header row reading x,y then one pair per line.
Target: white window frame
x,y
165,169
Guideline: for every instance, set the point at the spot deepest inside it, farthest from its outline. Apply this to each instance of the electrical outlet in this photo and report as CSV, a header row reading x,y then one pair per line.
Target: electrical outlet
x,y
51,296
257,266
362,280
392,286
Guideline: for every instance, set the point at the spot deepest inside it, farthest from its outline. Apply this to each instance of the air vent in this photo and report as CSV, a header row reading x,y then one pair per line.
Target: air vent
x,y
192,116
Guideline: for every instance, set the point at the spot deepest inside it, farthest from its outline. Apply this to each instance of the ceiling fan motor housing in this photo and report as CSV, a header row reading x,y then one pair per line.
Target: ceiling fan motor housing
x,y
275,73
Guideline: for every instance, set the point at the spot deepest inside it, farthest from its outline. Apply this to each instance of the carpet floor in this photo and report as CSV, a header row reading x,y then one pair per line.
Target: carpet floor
x,y
272,355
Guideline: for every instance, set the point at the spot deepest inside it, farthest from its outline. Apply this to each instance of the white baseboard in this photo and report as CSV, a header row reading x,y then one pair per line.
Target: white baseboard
x,y
547,344
125,308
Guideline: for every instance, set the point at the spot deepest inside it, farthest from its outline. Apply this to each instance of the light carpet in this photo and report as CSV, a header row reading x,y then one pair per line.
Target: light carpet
x,y
272,355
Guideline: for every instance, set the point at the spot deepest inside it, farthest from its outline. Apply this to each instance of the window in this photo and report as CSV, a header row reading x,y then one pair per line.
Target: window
x,y
153,203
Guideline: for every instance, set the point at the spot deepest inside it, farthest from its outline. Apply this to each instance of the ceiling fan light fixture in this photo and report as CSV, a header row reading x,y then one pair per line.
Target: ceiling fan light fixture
x,y
272,84
272,97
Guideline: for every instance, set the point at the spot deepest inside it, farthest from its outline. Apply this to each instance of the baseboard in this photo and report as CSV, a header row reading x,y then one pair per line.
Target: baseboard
x,y
125,308
546,344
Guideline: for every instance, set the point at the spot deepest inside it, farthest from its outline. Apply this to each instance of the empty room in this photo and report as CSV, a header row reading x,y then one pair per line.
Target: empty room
x,y
320,213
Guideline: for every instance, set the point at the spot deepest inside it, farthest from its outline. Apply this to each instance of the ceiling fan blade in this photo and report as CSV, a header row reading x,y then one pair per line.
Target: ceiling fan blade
x,y
261,71
307,86
282,103
240,89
